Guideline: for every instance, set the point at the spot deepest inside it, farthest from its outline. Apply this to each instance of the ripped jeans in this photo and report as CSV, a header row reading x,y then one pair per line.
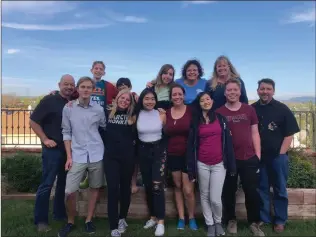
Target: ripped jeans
x,y
152,162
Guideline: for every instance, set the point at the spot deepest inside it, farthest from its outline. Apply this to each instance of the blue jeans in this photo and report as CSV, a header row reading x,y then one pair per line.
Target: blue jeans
x,y
274,173
53,164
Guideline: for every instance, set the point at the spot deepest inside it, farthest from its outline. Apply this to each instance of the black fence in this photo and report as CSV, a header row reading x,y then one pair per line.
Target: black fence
x,y
16,130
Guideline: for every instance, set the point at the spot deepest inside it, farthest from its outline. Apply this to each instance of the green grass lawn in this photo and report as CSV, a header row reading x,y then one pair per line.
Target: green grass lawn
x,y
17,220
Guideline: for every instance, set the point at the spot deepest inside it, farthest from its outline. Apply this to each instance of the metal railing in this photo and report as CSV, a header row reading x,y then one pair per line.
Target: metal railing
x,y
16,130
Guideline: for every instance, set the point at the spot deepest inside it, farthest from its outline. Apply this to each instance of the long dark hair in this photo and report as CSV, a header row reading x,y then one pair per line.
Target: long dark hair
x,y
198,112
139,105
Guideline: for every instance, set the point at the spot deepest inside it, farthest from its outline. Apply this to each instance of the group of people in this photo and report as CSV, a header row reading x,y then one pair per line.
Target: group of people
x,y
203,131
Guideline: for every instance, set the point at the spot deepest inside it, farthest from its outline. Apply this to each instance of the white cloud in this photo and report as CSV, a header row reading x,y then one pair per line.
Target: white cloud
x,y
306,16
119,17
13,51
53,27
187,3
37,7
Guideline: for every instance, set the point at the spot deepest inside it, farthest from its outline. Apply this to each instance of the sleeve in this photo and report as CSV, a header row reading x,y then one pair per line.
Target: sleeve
x,y
243,96
102,118
41,110
66,124
290,124
230,155
253,116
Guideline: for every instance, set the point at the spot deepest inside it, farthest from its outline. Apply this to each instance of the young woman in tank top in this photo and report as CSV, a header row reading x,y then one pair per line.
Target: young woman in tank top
x,y
152,157
178,120
210,154
119,159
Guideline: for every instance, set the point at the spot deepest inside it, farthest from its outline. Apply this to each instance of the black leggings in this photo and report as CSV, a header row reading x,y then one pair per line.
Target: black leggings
x,y
118,174
152,162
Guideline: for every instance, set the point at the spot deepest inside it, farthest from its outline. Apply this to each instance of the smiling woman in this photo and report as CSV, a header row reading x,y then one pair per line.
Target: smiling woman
x,y
223,70
192,80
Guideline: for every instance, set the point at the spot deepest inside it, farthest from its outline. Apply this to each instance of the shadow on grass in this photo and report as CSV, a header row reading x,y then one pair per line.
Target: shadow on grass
x,y
17,220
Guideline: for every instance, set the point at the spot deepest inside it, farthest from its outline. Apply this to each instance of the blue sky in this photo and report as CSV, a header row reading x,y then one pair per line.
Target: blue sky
x,y
43,40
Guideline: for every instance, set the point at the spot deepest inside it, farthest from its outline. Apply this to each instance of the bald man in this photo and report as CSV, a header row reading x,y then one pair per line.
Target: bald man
x,y
46,122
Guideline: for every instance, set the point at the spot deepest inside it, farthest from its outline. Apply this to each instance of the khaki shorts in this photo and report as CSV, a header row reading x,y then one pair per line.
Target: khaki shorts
x,y
78,170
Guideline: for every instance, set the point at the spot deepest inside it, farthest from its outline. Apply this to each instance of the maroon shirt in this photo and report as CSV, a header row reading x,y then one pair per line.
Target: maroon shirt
x,y
240,123
178,132
210,143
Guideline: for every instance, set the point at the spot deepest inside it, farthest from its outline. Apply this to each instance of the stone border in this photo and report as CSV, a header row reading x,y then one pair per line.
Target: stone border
x,y
302,204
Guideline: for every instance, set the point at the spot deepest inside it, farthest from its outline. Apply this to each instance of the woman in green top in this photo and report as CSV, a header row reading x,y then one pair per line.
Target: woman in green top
x,y
161,85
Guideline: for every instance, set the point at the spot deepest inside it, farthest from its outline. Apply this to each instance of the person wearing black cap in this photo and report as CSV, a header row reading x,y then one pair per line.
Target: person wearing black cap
x,y
122,84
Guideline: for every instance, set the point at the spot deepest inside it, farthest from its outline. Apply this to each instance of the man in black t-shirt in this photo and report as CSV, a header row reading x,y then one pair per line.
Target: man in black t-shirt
x,y
277,125
46,123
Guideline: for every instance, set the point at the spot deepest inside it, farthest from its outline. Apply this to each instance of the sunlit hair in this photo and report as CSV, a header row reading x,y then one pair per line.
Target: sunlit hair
x,y
233,74
98,62
163,70
83,79
130,110
233,81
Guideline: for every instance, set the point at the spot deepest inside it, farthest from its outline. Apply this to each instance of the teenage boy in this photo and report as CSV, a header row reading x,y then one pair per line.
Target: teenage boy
x,y
243,122
85,150
103,93
46,123
277,125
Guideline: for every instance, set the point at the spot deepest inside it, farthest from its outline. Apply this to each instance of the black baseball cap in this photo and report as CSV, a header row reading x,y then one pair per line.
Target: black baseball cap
x,y
123,81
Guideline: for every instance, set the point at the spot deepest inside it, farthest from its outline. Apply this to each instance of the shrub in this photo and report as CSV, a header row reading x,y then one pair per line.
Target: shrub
x,y
23,171
302,174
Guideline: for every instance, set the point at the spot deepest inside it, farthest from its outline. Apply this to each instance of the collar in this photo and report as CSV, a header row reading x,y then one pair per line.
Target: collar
x,y
78,104
272,102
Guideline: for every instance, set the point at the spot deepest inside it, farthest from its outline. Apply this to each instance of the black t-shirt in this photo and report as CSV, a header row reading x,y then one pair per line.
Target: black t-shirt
x,y
48,114
120,137
276,121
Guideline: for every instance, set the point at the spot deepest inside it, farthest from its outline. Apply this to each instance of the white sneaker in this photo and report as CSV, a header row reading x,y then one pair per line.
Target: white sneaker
x,y
160,230
115,233
122,226
150,223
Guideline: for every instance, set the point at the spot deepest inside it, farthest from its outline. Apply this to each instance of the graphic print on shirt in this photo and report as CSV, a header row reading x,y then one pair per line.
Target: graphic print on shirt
x,y
237,118
121,119
98,93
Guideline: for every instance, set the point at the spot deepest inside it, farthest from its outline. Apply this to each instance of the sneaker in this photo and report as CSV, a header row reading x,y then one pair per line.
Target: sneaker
x,y
211,231
219,229
160,230
89,227
278,228
232,227
115,233
66,230
43,227
84,184
192,224
181,224
122,226
150,223
255,229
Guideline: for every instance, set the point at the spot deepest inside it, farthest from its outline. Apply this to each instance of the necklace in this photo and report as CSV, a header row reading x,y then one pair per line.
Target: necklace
x,y
175,121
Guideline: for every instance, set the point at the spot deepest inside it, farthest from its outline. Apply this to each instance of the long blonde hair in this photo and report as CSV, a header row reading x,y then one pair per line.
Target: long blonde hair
x,y
164,69
130,109
233,74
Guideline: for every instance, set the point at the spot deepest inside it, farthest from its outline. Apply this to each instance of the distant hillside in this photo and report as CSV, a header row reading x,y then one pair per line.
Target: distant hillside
x,y
301,99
